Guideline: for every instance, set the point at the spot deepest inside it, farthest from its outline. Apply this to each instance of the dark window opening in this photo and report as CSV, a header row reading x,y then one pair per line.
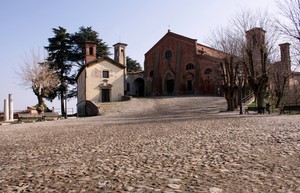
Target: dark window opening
x,y
128,87
91,51
168,54
151,74
189,66
105,74
208,71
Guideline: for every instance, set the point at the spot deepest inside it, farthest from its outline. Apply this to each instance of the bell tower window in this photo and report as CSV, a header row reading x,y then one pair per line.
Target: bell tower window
x,y
91,51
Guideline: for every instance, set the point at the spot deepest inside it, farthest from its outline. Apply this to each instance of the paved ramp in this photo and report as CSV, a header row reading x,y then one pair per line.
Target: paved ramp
x,y
165,108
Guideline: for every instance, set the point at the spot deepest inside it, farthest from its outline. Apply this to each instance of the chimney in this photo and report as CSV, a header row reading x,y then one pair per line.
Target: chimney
x,y
90,52
285,56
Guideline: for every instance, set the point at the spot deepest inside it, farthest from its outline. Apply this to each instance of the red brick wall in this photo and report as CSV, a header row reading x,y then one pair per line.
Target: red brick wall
x,y
184,51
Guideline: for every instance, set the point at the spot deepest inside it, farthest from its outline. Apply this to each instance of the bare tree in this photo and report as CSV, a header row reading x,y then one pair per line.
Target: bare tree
x,y
225,41
289,25
253,50
293,95
229,77
259,47
36,75
279,79
280,75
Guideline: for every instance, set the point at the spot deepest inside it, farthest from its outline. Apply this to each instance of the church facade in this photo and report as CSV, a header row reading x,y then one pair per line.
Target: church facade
x,y
178,65
101,79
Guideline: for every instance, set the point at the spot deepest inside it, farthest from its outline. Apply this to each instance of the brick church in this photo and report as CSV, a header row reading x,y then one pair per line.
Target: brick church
x,y
178,65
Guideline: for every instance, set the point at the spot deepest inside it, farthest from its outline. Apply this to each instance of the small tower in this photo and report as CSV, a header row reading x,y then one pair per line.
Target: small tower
x,y
256,43
285,56
120,54
90,51
256,39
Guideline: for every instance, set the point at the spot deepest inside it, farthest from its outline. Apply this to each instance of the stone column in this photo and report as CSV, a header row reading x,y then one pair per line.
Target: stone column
x,y
6,116
11,107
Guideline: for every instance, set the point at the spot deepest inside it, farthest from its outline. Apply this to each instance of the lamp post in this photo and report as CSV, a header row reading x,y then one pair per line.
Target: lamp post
x,y
240,88
66,101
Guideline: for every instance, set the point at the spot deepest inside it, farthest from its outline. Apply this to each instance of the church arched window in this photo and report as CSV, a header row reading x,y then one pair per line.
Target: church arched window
x,y
189,66
208,71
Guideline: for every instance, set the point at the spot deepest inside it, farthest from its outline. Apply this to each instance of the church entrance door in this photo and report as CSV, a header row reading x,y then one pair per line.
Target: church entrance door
x,y
189,85
170,86
139,87
105,95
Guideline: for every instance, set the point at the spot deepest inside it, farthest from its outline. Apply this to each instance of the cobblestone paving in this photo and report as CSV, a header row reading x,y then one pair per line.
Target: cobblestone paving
x,y
154,145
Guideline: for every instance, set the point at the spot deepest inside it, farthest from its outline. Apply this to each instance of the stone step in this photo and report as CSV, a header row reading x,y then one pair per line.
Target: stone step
x,y
109,106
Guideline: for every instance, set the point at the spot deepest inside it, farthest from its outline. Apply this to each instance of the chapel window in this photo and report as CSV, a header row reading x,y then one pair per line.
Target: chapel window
x,y
105,74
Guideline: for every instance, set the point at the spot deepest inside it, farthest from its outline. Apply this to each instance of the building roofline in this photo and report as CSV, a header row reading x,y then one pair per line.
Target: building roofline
x,y
256,28
100,60
119,43
136,72
169,33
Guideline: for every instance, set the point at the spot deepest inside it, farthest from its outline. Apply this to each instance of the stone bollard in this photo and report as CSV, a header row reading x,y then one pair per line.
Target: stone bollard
x,y
6,116
11,107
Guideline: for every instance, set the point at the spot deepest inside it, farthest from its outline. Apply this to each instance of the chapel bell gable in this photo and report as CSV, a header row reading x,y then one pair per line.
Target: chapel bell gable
x,y
90,52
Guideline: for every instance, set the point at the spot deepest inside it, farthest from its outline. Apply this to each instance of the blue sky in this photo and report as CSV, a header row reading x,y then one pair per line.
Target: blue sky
x,y
27,25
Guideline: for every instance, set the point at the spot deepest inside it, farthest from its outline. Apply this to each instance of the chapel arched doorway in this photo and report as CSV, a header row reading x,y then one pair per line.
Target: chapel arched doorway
x,y
139,85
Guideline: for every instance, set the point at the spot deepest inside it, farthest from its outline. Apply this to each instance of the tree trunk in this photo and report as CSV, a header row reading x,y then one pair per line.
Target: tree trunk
x,y
62,103
260,101
230,96
230,104
259,87
40,106
279,98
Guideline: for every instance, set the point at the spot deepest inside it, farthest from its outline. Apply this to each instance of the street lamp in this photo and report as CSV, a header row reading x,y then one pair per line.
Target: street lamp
x,y
66,101
240,88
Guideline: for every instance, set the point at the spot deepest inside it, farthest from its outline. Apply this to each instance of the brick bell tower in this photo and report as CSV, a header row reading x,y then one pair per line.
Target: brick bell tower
x,y
256,42
285,57
120,54
90,51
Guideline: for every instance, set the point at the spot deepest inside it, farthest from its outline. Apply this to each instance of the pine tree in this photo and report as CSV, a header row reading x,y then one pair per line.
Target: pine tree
x,y
59,51
132,65
78,42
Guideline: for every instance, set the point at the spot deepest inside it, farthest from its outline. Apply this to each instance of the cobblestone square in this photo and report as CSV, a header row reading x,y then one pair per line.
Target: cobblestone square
x,y
171,144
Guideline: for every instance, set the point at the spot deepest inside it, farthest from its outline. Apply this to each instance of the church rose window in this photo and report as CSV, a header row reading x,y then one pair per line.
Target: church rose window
x,y
168,54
